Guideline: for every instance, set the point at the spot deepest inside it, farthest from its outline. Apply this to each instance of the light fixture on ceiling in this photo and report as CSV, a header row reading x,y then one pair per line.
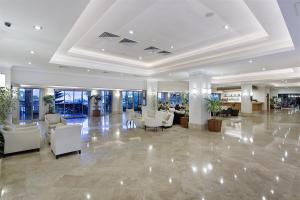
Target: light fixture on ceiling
x,y
32,52
88,70
37,27
226,27
140,58
172,47
131,32
250,61
263,69
102,49
29,63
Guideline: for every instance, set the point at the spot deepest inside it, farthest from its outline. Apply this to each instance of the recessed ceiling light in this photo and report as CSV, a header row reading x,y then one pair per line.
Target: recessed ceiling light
x,y
37,27
32,52
250,61
264,69
172,46
102,49
140,58
131,31
29,63
226,27
88,70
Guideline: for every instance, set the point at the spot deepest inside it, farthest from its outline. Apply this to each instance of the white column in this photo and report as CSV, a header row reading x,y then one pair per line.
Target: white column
x,y
6,74
246,106
42,109
152,88
116,102
91,106
199,89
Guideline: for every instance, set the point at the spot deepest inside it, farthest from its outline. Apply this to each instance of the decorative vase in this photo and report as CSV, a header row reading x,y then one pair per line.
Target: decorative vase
x,y
214,125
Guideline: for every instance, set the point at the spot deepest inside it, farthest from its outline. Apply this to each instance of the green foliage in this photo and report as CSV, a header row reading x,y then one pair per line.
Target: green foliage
x,y
214,106
49,101
97,98
7,103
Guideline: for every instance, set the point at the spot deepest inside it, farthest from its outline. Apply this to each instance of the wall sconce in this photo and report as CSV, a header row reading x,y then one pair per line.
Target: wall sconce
x,y
209,91
2,80
204,90
251,93
245,94
117,93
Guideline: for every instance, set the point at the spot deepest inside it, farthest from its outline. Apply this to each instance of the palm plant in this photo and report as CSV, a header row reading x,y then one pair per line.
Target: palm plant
x,y
213,106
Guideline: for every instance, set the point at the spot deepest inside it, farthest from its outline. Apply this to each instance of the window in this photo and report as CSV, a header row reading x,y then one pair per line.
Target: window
x,y
72,103
29,100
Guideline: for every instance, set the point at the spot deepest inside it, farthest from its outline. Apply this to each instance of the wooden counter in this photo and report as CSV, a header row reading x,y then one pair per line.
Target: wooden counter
x,y
256,106
233,105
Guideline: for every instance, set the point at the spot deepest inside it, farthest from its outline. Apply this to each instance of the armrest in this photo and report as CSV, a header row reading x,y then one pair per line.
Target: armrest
x,y
63,120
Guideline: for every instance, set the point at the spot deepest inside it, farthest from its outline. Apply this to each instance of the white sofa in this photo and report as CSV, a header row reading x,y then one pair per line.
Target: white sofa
x,y
21,138
51,121
161,119
66,139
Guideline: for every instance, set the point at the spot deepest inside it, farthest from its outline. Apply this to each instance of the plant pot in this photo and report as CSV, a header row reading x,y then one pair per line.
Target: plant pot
x,y
184,122
214,125
96,113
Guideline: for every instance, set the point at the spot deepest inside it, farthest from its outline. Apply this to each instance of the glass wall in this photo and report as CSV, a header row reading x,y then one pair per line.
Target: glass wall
x,y
29,104
173,98
106,102
133,100
72,103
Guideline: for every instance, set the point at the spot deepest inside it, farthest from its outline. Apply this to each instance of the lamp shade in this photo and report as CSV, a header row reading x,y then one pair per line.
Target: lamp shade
x,y
2,80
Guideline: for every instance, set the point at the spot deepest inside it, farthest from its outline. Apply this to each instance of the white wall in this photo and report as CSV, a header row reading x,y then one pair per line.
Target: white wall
x,y
173,86
51,78
260,94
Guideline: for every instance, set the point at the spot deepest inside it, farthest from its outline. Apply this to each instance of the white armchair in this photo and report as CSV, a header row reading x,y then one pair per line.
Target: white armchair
x,y
51,121
66,139
168,119
21,138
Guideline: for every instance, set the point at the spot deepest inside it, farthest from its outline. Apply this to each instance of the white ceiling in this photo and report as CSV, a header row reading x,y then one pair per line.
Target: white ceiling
x,y
265,31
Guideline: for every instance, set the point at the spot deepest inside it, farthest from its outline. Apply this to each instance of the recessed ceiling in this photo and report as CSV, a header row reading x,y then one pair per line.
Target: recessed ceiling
x,y
236,29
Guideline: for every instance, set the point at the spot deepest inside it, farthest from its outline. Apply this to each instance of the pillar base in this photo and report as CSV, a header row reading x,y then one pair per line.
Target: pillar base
x,y
197,126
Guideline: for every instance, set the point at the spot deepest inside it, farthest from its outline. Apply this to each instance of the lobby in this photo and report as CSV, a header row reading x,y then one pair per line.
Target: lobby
x,y
136,99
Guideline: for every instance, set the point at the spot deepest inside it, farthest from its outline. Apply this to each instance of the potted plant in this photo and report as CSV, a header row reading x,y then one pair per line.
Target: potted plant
x,y
96,99
49,103
214,106
184,121
7,103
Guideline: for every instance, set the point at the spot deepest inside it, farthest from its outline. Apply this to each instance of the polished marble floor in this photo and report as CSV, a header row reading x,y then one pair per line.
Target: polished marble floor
x,y
255,157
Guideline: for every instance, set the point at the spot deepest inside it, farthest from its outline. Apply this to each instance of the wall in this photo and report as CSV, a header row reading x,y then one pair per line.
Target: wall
x,y
173,86
51,78
260,94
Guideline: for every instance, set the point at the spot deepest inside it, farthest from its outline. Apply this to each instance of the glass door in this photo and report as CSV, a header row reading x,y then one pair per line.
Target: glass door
x,y
72,103
29,104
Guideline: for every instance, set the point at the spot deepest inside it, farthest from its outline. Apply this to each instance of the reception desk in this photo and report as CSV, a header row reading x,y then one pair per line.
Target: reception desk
x,y
256,106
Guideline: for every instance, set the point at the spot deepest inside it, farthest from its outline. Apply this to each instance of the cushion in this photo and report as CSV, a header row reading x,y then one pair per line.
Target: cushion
x,y
167,117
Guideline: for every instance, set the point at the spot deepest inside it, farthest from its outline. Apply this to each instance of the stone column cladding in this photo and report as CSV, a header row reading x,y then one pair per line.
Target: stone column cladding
x,y
116,101
152,89
199,89
246,104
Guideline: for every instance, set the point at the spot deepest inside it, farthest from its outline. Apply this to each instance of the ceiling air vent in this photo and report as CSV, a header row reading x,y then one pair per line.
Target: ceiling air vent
x,y
151,48
107,35
164,52
125,40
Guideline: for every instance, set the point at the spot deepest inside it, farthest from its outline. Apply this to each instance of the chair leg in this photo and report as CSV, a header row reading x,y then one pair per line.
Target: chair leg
x,y
56,157
79,152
